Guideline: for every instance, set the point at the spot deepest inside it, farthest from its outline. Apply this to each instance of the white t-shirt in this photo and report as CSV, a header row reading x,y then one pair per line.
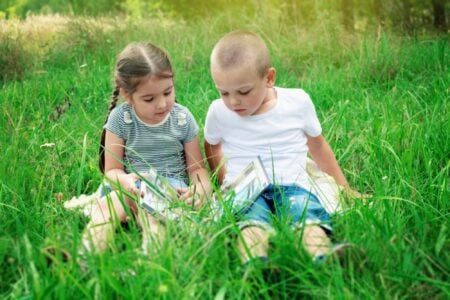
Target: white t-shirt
x,y
277,136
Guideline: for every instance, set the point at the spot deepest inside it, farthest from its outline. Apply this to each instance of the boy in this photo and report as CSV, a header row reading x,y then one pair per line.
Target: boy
x,y
280,125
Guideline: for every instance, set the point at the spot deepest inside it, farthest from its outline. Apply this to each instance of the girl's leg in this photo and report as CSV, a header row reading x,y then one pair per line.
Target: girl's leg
x,y
105,216
153,231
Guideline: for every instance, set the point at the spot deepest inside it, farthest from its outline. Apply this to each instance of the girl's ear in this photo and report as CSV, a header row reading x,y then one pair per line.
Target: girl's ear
x,y
271,74
125,95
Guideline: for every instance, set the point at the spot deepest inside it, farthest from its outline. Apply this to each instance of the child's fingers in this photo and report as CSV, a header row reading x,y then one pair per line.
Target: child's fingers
x,y
349,192
198,203
134,190
183,194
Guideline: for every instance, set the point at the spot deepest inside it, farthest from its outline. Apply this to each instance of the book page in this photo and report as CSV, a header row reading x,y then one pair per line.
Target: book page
x,y
156,195
248,186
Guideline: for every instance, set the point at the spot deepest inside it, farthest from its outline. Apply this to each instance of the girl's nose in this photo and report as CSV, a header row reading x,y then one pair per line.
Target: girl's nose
x,y
162,104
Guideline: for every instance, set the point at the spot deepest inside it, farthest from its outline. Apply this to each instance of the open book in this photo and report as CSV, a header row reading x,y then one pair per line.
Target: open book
x,y
245,188
158,196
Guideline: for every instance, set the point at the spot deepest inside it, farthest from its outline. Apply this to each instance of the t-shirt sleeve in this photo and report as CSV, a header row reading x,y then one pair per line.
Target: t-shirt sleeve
x,y
312,123
115,123
191,125
211,130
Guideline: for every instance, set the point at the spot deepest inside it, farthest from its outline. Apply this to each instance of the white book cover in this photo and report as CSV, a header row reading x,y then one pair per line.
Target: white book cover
x,y
246,187
158,196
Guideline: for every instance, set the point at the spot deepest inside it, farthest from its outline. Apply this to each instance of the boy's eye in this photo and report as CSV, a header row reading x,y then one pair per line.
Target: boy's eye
x,y
244,92
168,93
224,93
148,99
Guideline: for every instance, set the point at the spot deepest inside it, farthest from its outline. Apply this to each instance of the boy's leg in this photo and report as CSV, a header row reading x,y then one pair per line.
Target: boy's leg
x,y
153,231
255,230
254,243
315,240
305,212
106,214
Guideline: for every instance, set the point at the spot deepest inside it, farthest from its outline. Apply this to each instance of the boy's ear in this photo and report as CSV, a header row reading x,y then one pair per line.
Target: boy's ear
x,y
271,74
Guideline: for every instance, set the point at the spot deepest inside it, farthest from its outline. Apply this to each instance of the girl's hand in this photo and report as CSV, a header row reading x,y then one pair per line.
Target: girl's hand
x,y
190,196
129,181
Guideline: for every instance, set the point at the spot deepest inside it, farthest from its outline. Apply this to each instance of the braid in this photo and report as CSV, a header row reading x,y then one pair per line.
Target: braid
x,y
101,151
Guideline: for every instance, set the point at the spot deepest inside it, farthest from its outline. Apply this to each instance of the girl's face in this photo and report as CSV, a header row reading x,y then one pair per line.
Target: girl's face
x,y
153,99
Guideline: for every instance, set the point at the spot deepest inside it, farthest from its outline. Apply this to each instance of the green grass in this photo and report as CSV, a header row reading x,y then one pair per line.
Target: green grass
x,y
383,103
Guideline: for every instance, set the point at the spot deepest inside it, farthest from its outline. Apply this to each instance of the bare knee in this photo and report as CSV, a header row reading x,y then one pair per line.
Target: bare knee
x,y
109,208
254,234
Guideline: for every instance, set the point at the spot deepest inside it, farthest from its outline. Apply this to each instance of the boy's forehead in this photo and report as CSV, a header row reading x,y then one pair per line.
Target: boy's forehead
x,y
248,67
234,78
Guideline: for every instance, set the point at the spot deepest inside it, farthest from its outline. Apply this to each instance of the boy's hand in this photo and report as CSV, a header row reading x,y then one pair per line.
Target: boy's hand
x,y
353,194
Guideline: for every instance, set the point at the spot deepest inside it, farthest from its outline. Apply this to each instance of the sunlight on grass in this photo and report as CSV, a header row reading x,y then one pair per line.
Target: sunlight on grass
x,y
383,102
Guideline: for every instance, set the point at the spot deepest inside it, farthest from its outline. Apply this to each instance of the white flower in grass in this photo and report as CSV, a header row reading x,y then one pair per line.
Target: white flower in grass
x,y
48,145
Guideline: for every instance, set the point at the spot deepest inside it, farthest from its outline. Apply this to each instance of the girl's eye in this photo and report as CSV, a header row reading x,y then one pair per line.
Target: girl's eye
x,y
148,99
224,93
168,93
244,92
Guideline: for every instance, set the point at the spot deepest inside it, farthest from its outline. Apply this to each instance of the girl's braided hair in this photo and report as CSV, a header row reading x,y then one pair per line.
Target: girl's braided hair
x,y
135,64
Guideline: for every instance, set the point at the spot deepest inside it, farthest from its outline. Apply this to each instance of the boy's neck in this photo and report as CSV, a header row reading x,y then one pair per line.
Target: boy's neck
x,y
269,102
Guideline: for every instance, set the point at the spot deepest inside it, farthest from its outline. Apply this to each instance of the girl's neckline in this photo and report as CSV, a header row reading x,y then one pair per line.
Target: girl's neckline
x,y
151,125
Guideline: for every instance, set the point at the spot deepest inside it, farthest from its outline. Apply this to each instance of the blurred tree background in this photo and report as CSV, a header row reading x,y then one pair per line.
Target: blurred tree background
x,y
407,16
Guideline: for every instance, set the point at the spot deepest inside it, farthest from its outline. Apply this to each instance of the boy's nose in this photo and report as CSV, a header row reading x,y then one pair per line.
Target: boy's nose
x,y
235,101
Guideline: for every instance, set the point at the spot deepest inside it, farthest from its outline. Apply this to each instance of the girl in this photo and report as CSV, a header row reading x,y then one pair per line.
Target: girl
x,y
148,128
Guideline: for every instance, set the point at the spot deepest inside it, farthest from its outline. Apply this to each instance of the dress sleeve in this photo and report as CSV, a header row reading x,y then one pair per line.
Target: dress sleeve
x,y
115,123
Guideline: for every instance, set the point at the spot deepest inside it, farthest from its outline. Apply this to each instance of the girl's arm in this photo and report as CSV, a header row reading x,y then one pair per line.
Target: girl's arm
x,y
114,169
214,156
197,172
321,152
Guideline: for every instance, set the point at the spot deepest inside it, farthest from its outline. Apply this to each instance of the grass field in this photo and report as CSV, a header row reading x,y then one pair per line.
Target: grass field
x,y
382,99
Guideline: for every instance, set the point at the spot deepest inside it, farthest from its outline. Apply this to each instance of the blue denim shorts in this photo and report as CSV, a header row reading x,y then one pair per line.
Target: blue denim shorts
x,y
174,182
291,204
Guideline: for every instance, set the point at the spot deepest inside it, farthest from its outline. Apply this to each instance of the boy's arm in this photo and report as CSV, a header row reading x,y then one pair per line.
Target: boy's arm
x,y
321,152
214,157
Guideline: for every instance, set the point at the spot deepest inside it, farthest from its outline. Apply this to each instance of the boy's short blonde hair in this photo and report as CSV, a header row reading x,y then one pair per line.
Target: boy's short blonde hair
x,y
239,48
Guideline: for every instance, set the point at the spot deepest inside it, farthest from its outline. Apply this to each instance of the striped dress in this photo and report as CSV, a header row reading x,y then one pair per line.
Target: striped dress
x,y
159,145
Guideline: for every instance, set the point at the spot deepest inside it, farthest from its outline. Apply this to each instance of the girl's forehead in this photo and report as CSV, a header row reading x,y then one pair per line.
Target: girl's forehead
x,y
154,85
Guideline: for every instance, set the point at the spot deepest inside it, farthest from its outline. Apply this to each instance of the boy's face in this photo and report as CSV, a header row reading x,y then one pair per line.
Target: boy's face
x,y
243,90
